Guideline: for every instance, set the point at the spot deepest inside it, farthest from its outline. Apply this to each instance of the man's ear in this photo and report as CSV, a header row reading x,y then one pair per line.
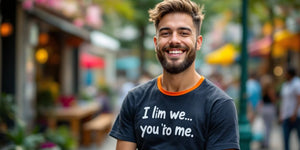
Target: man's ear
x,y
199,42
155,42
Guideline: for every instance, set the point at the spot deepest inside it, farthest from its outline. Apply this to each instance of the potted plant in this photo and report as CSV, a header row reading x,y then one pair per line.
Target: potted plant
x,y
7,111
45,99
19,139
62,137
59,139
47,94
7,116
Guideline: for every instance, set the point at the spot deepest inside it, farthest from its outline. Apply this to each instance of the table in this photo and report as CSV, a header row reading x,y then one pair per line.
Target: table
x,y
73,115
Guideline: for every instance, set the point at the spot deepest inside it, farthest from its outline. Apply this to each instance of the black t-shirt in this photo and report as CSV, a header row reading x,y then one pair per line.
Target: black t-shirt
x,y
200,118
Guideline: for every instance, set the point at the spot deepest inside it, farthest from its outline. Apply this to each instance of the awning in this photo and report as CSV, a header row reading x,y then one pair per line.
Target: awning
x,y
60,23
128,63
225,55
104,41
90,61
283,40
97,38
260,47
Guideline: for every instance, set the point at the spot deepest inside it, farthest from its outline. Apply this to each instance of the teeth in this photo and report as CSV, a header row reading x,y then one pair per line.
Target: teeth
x,y
175,52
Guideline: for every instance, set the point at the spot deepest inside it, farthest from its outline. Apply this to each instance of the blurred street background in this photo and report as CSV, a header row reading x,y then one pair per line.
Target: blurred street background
x,y
66,65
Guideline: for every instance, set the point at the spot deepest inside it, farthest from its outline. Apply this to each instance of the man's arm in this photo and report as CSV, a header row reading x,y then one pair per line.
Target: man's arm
x,y
125,145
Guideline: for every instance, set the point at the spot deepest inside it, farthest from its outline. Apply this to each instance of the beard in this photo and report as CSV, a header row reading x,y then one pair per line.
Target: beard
x,y
173,68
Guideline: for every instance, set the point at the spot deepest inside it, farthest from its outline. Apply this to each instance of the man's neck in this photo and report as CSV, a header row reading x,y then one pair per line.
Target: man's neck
x,y
181,81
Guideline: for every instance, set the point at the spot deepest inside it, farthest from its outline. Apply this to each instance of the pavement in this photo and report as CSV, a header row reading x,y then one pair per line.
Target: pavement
x,y
276,142
108,144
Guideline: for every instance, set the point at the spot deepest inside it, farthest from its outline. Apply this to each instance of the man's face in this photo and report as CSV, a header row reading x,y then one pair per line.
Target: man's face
x,y
176,42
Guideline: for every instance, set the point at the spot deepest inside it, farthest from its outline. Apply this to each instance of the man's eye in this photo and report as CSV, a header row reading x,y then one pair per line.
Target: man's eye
x,y
184,33
164,33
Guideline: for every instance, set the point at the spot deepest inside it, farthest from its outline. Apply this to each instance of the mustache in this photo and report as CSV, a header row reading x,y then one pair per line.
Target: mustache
x,y
174,46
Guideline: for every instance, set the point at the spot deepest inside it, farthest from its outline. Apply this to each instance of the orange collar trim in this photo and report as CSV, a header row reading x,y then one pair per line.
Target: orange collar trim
x,y
180,92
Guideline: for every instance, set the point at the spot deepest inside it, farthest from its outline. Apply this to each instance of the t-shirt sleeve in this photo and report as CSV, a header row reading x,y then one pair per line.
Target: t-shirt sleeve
x,y
123,128
223,126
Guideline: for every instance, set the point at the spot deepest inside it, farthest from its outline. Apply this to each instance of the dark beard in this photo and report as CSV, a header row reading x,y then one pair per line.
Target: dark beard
x,y
175,69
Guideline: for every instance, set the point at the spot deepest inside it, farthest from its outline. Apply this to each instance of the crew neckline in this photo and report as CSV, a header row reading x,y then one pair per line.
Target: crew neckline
x,y
159,85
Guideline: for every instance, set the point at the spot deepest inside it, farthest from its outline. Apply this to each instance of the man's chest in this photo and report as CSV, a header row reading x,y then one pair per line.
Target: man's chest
x,y
169,120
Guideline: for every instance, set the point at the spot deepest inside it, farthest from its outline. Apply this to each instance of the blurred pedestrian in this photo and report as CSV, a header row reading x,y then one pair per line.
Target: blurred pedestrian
x,y
268,107
217,79
104,100
145,77
290,107
233,88
180,109
124,88
254,96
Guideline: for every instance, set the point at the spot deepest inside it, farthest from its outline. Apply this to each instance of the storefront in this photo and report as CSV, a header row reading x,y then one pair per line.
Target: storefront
x,y
50,43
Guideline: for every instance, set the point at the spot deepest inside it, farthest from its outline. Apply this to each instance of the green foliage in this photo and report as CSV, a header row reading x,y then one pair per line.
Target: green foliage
x,y
213,8
7,108
19,138
262,9
45,99
121,7
259,9
62,137
85,97
141,7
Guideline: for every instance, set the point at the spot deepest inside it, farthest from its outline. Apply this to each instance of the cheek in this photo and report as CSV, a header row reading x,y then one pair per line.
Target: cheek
x,y
162,42
160,54
159,47
158,51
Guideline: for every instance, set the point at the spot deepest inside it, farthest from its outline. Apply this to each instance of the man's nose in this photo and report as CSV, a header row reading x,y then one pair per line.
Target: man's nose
x,y
174,39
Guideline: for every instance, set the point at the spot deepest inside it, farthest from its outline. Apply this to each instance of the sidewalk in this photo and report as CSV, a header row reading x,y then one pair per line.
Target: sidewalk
x,y
276,141
108,144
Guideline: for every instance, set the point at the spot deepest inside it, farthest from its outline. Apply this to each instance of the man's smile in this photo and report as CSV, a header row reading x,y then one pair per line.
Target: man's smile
x,y
175,51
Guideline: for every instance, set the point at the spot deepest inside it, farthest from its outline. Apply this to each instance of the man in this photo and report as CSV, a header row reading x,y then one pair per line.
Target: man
x,y
290,107
180,109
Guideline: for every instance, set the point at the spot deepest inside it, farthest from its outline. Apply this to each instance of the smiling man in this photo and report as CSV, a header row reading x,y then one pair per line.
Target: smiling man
x,y
180,109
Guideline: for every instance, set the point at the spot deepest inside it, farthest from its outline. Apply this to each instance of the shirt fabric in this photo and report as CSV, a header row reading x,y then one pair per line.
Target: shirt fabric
x,y
202,117
289,93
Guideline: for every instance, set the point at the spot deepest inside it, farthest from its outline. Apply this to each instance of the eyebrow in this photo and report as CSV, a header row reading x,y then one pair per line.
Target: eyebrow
x,y
180,28
185,28
164,28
